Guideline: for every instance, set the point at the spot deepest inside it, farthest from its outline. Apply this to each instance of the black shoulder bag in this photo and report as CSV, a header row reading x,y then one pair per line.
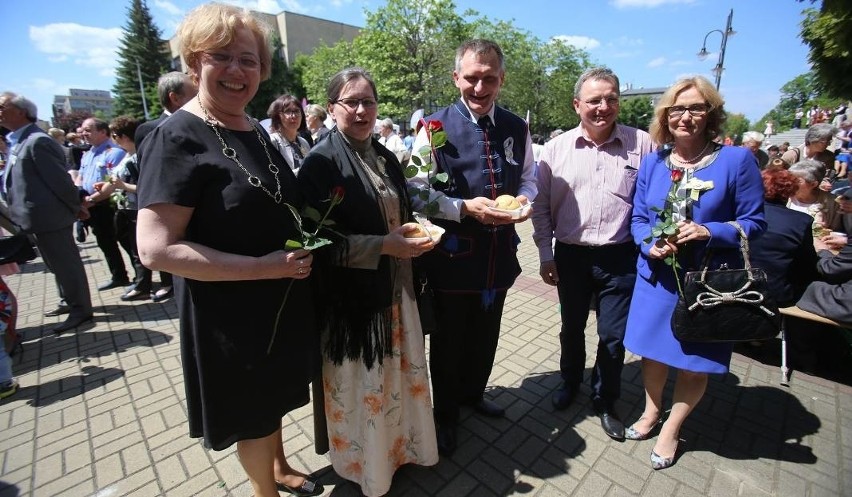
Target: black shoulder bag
x,y
726,305
16,248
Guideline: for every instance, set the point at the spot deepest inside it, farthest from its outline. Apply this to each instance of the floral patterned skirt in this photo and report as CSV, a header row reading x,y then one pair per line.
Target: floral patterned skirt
x,y
380,419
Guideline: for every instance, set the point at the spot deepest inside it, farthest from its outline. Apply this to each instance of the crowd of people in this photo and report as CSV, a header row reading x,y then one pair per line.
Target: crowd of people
x,y
226,211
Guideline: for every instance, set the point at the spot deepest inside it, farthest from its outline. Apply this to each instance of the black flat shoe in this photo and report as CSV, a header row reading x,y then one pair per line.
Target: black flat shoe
x,y
135,294
71,323
113,284
447,439
163,294
489,408
60,310
306,489
563,397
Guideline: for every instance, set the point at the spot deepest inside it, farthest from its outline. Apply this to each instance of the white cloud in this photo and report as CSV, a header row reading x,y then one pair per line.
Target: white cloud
x,y
168,7
270,6
581,42
625,4
657,62
83,45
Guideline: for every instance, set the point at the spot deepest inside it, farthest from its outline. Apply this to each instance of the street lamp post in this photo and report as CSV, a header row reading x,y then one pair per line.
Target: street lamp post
x,y
720,65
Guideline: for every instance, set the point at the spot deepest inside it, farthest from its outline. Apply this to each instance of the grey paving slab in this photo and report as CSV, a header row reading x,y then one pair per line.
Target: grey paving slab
x,y
102,412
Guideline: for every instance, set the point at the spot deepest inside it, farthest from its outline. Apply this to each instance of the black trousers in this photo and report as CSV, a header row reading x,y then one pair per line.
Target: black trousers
x,y
102,222
606,274
462,349
125,231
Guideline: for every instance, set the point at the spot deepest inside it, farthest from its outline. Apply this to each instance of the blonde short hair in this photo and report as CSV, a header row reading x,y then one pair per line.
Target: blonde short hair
x,y
659,129
214,25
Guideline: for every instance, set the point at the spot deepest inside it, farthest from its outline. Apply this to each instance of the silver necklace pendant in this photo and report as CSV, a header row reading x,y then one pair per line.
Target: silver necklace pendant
x,y
231,154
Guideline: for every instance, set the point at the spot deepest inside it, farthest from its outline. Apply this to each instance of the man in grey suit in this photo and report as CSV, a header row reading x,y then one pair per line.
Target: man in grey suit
x,y
831,297
44,201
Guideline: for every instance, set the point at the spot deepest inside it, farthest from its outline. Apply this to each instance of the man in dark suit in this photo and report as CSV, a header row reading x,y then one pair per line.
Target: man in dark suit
x,y
174,89
44,201
488,153
831,297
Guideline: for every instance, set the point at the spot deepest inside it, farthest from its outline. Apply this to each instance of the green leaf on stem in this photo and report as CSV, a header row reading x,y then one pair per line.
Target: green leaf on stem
x,y
442,177
292,245
410,171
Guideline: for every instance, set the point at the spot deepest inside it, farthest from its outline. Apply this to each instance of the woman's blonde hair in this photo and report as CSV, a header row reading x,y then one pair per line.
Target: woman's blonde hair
x,y
659,129
214,25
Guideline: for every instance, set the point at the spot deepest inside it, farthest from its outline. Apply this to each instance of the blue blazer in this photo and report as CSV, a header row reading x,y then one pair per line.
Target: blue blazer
x,y
737,194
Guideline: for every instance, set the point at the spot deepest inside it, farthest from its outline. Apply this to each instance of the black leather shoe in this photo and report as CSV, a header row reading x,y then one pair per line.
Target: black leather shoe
x,y
60,310
610,422
113,284
489,408
163,294
71,323
134,294
563,397
447,439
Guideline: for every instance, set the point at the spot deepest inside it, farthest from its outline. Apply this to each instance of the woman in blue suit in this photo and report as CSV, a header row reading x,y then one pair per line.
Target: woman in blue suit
x,y
713,184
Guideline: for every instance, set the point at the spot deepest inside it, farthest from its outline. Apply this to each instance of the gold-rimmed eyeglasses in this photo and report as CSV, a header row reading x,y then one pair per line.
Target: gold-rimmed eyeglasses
x,y
245,61
695,110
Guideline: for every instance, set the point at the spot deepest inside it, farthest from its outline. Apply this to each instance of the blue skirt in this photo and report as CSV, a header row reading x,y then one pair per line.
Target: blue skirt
x,y
649,331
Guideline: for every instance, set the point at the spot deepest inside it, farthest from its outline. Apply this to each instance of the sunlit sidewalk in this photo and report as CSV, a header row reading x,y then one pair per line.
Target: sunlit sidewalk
x,y
101,413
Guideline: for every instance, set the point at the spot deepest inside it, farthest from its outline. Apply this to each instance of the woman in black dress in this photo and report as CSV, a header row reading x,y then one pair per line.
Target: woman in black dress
x,y
213,197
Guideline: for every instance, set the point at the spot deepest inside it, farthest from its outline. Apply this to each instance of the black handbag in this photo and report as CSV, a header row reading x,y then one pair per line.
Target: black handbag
x,y
726,305
16,248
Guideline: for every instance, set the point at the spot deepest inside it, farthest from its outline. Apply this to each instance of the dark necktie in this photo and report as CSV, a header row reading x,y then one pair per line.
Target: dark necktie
x,y
484,122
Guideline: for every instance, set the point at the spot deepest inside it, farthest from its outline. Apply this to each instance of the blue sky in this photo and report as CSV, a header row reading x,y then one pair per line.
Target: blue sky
x,y
53,45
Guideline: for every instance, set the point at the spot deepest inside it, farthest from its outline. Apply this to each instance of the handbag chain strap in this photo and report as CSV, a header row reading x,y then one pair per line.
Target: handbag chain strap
x,y
713,297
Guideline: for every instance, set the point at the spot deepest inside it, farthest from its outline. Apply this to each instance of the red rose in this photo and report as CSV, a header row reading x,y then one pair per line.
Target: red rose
x,y
337,194
435,126
677,175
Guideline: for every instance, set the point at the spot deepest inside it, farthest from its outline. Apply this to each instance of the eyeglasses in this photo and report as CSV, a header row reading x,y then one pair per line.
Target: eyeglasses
x,y
291,113
247,62
352,104
597,102
695,110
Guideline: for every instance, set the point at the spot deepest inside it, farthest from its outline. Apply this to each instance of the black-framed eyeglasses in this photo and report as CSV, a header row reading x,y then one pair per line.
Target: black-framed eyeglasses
x,y
597,102
352,104
695,110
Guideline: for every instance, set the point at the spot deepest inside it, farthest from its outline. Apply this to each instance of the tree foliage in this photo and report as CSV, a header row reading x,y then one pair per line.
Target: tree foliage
x,y
636,111
735,126
142,44
282,80
409,48
828,32
803,91
70,121
540,76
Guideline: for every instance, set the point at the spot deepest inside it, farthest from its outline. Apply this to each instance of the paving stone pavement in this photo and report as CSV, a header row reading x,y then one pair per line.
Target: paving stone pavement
x,y
102,413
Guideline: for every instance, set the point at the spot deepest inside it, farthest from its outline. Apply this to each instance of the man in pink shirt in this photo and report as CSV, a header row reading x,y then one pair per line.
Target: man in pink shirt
x,y
586,179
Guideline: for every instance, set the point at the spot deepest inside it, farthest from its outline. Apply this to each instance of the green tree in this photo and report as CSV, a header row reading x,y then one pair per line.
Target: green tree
x,y
142,53
70,121
735,125
409,47
282,80
803,91
636,111
540,75
317,69
828,32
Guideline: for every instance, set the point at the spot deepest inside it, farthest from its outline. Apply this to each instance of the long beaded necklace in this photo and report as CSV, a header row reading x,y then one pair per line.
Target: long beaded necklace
x,y
694,159
232,154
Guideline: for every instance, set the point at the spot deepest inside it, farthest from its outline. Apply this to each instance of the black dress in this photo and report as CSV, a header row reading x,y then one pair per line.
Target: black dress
x,y
234,390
